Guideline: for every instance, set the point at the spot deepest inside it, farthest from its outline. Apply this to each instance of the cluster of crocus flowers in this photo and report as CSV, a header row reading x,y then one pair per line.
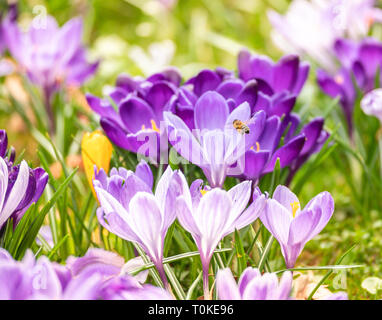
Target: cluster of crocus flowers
x,y
20,185
327,20
96,276
197,117
360,64
129,209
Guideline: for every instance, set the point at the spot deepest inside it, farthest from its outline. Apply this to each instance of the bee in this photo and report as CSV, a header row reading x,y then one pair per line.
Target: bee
x,y
240,126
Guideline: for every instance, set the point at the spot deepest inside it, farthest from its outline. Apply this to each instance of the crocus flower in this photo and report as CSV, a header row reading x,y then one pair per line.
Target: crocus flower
x,y
253,285
31,279
286,76
261,157
293,227
234,90
371,103
214,215
141,102
20,185
216,145
360,60
106,262
88,278
327,20
96,150
49,55
129,209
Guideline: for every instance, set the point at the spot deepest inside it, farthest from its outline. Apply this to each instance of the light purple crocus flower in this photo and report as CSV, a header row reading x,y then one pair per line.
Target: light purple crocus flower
x,y
214,215
129,209
135,126
30,279
360,60
293,227
20,186
82,279
106,262
51,56
371,103
215,146
253,285
327,20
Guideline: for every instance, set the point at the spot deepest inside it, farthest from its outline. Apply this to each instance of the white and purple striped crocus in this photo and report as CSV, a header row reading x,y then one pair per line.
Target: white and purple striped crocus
x,y
292,226
211,215
20,186
214,145
129,208
253,285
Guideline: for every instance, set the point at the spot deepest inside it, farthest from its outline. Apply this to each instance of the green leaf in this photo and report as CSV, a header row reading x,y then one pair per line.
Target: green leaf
x,y
35,226
240,254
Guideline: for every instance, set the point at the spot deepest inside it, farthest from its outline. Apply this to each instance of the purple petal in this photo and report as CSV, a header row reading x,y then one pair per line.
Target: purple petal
x,y
136,114
211,112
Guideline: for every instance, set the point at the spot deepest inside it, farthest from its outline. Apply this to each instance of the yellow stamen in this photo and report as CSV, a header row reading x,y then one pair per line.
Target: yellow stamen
x,y
154,126
295,206
203,192
257,147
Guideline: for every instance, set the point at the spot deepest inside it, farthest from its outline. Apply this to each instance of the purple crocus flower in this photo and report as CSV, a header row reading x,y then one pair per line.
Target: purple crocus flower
x,y
129,209
216,146
327,21
20,186
359,60
252,285
222,81
293,227
128,288
278,83
214,215
49,55
82,279
264,151
106,262
314,138
30,279
135,126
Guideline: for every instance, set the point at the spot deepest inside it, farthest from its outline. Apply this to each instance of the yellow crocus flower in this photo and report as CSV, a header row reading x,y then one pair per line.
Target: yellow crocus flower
x,y
96,150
